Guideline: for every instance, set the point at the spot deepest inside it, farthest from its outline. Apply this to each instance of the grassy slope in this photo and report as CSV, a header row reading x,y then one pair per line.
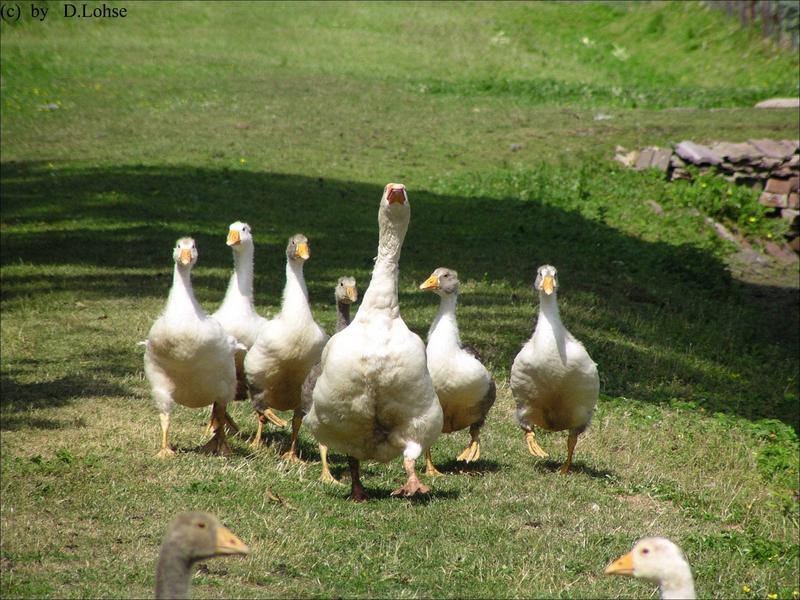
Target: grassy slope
x,y
184,118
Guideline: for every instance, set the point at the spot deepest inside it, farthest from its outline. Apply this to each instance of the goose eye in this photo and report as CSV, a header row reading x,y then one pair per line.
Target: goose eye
x,y
201,525
645,550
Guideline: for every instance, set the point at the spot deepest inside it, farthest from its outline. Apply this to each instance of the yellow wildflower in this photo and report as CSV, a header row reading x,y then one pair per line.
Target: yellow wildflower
x,y
746,589
752,219
242,161
772,596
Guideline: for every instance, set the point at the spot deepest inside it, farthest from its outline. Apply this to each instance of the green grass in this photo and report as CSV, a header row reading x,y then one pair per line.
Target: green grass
x,y
185,117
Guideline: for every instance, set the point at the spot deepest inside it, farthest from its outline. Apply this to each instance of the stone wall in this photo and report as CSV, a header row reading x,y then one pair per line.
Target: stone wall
x,y
771,167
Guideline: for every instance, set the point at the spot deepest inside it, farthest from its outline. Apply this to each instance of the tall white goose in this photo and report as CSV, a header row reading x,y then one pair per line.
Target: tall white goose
x,y
286,348
553,379
374,399
345,294
188,358
192,536
237,313
464,386
658,560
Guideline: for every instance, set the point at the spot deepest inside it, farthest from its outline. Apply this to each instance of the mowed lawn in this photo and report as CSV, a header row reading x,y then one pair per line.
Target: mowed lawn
x,y
121,135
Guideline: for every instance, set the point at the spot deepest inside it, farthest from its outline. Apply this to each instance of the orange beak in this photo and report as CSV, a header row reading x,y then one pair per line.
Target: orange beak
x,y
228,543
233,238
622,566
548,284
396,193
186,256
302,251
431,283
351,293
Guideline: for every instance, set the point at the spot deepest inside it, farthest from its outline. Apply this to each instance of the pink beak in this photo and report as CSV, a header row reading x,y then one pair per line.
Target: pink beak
x,y
396,192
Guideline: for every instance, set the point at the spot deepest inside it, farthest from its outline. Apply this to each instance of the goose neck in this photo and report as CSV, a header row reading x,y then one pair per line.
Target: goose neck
x,y
173,574
381,294
548,312
243,271
678,585
181,299
445,326
342,315
295,292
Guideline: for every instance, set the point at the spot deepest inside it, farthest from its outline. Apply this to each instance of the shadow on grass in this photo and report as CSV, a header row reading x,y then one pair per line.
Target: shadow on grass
x,y
458,467
551,466
374,494
663,322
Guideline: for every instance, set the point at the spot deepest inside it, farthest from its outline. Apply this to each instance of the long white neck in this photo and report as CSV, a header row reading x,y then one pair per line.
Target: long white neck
x,y
240,289
295,294
181,301
549,328
381,294
679,585
444,329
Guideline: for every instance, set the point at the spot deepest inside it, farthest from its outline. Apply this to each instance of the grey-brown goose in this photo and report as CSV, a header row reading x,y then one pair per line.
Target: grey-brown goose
x,y
192,536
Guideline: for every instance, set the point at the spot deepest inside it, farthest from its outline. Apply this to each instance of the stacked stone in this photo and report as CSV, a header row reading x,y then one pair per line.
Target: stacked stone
x,y
769,166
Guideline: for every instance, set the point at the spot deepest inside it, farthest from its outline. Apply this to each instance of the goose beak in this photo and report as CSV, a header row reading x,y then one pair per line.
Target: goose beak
x,y
431,283
228,543
622,566
302,251
351,293
186,256
396,193
548,284
233,238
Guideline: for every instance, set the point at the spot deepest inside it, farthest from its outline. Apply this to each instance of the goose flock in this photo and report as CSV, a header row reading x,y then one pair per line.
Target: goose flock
x,y
374,391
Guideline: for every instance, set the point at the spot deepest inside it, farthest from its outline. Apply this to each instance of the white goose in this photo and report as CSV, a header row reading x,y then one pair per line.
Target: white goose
x,y
464,386
286,348
374,399
237,314
345,294
658,560
188,357
553,379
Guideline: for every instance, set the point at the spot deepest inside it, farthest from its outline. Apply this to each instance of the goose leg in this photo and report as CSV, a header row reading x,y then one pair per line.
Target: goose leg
x,y
218,444
413,484
357,493
571,441
291,454
533,447
430,470
326,476
260,419
274,419
230,424
473,451
165,451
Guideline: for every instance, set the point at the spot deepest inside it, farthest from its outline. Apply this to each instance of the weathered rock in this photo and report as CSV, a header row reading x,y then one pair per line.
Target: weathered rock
x,y
779,103
780,253
778,186
772,148
793,201
790,214
794,184
736,153
627,158
661,159
655,206
697,154
794,244
774,200
644,158
722,231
